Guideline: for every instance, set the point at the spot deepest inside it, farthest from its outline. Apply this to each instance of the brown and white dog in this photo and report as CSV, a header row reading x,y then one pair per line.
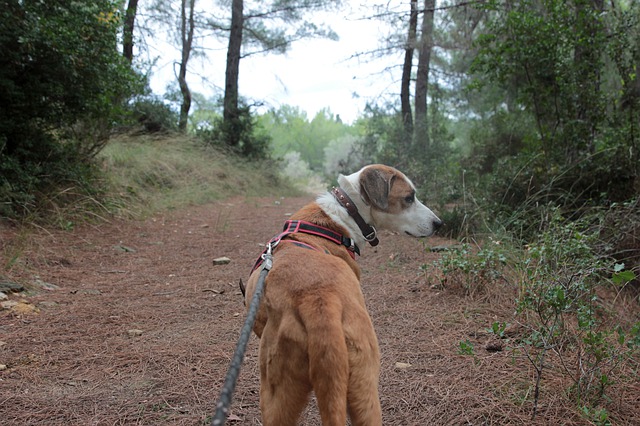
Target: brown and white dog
x,y
314,328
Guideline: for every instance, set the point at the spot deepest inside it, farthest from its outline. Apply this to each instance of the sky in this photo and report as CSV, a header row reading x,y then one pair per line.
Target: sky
x,y
314,74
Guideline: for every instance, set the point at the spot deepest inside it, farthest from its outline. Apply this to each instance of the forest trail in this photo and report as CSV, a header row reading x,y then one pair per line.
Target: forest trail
x,y
130,322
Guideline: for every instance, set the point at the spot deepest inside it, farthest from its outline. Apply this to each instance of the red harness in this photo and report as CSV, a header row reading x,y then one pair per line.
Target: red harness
x,y
301,226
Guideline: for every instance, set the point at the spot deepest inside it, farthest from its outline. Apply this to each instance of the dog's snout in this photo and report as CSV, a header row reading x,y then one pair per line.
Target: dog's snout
x,y
437,224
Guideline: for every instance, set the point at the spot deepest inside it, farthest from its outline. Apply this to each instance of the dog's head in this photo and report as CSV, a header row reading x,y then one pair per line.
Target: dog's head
x,y
391,197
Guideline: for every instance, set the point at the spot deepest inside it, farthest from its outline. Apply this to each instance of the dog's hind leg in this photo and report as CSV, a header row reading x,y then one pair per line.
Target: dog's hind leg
x,y
282,405
364,370
328,356
284,377
363,400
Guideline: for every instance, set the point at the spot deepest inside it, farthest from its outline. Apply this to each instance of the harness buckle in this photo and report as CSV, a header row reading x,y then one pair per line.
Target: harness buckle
x,y
267,256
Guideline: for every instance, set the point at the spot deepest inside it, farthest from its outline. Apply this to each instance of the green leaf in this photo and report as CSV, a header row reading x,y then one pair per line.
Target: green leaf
x,y
623,277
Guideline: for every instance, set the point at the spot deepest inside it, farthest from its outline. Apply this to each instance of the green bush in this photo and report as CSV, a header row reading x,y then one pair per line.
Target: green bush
x,y
62,85
252,141
471,269
154,115
560,278
563,132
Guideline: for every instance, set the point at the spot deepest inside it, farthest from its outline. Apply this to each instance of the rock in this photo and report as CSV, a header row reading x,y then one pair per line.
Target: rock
x,y
221,261
402,365
10,287
481,332
8,304
124,249
45,286
514,330
3,296
59,261
22,307
25,308
48,304
3,367
134,332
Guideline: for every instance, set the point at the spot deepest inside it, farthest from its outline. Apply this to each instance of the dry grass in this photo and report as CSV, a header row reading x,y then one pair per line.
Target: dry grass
x,y
157,173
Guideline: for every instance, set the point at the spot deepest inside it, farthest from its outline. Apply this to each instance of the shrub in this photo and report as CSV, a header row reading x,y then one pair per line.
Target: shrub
x,y
154,115
252,141
559,281
471,269
62,85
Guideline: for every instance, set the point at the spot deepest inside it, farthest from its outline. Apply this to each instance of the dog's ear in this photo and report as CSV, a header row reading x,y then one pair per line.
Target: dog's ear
x,y
376,185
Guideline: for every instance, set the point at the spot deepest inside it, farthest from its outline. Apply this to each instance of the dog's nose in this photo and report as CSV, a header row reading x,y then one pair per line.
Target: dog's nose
x,y
437,224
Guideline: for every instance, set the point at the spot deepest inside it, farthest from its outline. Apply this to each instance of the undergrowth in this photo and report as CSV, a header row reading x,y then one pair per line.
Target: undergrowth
x,y
567,307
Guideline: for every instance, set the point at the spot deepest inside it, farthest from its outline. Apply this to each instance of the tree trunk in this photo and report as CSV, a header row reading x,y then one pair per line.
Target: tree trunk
x,y
405,86
588,66
127,32
230,109
187,28
421,130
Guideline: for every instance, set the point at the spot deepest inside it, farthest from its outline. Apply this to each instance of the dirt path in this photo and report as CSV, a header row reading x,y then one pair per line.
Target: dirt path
x,y
134,325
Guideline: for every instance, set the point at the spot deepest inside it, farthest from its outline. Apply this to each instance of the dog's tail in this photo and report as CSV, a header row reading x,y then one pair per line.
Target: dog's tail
x,y
328,356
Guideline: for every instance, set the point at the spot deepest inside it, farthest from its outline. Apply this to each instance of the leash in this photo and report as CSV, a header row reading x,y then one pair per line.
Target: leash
x,y
224,402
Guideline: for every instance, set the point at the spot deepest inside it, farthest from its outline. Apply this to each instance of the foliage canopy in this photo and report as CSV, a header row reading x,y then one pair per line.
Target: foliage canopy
x,y
62,86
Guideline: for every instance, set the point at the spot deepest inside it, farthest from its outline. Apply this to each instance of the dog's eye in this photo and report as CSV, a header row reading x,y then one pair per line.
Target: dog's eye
x,y
410,199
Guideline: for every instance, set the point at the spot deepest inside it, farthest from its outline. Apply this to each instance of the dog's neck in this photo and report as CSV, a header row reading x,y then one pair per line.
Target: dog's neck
x,y
328,203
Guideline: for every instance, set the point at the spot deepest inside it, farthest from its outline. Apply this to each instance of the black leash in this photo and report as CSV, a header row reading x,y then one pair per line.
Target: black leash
x,y
224,402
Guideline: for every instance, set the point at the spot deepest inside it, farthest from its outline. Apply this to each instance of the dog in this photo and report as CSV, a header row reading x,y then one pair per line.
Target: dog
x,y
314,329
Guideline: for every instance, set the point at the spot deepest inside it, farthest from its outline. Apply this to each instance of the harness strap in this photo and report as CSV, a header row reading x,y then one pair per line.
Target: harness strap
x,y
301,226
293,226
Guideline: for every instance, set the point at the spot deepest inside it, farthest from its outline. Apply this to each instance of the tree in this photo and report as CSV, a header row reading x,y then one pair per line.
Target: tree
x,y
407,69
292,131
625,53
187,28
127,31
185,24
414,140
559,59
230,110
421,130
291,15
